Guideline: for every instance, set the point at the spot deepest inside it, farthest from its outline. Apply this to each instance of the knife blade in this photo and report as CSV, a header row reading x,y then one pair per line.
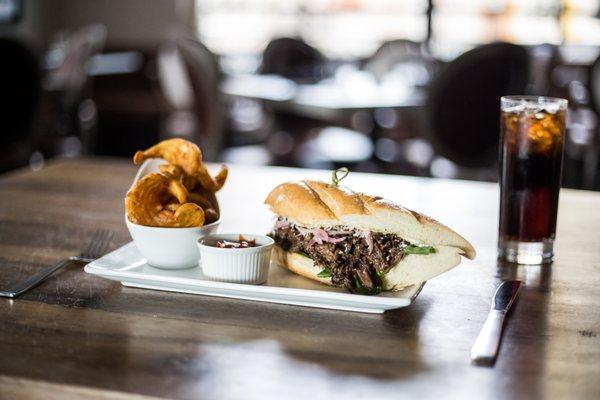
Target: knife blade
x,y
485,348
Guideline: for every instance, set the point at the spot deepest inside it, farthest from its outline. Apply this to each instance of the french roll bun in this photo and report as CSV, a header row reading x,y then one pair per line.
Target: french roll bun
x,y
318,205
411,270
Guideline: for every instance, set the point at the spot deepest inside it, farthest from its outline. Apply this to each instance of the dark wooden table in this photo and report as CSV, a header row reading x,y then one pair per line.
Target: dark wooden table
x,y
79,336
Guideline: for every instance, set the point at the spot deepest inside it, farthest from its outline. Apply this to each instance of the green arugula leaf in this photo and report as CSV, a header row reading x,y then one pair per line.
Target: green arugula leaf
x,y
423,250
360,289
325,273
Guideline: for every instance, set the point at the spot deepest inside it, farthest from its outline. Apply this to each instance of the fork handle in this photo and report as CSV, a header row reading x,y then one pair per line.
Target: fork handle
x,y
34,280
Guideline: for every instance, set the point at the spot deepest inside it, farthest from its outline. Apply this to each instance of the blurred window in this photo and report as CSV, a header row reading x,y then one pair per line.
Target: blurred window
x,y
347,29
582,22
458,25
338,28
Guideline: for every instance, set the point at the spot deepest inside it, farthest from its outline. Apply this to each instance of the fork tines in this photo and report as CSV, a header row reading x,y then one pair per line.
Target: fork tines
x,y
98,244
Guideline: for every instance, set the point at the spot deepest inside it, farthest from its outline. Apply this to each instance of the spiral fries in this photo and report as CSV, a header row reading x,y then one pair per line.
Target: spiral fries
x,y
178,152
144,207
181,195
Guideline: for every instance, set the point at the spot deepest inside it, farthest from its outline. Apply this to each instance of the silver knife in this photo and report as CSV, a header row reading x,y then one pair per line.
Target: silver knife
x,y
485,348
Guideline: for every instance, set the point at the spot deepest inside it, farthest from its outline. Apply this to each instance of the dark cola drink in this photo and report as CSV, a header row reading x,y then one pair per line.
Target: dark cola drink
x,y
531,148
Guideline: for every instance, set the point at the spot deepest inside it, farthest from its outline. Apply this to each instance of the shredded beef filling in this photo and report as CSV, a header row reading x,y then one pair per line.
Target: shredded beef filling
x,y
356,262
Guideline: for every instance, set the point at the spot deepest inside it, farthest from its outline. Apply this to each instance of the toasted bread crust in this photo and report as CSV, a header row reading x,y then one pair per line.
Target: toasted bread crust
x,y
317,204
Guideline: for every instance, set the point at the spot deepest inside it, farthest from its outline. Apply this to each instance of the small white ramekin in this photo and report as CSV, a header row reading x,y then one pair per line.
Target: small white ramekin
x,y
238,265
169,248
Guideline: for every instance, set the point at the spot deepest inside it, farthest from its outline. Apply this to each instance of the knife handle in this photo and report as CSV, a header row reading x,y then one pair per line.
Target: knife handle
x,y
486,345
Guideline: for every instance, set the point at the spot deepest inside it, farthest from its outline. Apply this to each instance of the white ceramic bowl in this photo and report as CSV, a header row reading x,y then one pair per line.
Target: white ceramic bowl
x,y
170,248
239,265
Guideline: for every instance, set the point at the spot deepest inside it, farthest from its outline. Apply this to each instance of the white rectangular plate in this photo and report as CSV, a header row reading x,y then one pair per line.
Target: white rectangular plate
x,y
127,266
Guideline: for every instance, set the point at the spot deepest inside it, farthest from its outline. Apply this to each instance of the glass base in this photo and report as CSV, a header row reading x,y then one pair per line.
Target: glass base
x,y
526,252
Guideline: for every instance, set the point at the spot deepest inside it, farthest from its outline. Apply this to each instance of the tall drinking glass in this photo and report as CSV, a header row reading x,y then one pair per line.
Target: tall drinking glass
x,y
532,133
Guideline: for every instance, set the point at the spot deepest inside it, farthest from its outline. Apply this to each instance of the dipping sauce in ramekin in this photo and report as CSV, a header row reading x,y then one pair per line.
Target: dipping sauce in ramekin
x,y
241,243
236,258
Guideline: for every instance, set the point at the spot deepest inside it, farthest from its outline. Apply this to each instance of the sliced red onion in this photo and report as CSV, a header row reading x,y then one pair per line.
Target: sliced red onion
x,y
339,232
317,236
279,224
314,240
321,236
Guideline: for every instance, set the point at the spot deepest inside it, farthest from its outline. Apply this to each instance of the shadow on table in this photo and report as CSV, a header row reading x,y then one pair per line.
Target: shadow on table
x,y
195,343
236,335
380,346
524,345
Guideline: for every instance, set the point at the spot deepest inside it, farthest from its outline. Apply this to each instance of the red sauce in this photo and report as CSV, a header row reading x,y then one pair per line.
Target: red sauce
x,y
242,243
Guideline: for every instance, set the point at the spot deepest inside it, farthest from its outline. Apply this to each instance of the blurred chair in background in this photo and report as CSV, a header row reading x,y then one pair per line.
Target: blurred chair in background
x,y
463,107
543,59
400,146
68,83
411,59
294,59
594,84
19,94
570,78
130,106
189,77
591,163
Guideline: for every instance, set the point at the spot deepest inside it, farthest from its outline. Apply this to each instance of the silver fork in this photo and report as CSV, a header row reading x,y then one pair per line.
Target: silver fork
x,y
93,250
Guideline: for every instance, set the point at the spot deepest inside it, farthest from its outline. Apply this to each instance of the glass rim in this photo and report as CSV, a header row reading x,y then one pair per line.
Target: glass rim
x,y
516,100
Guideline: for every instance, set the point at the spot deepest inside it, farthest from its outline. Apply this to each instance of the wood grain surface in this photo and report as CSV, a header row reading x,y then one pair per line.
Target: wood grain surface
x,y
80,336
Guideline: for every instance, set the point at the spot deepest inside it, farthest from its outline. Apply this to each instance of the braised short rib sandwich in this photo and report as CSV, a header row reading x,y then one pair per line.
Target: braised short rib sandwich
x,y
366,244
